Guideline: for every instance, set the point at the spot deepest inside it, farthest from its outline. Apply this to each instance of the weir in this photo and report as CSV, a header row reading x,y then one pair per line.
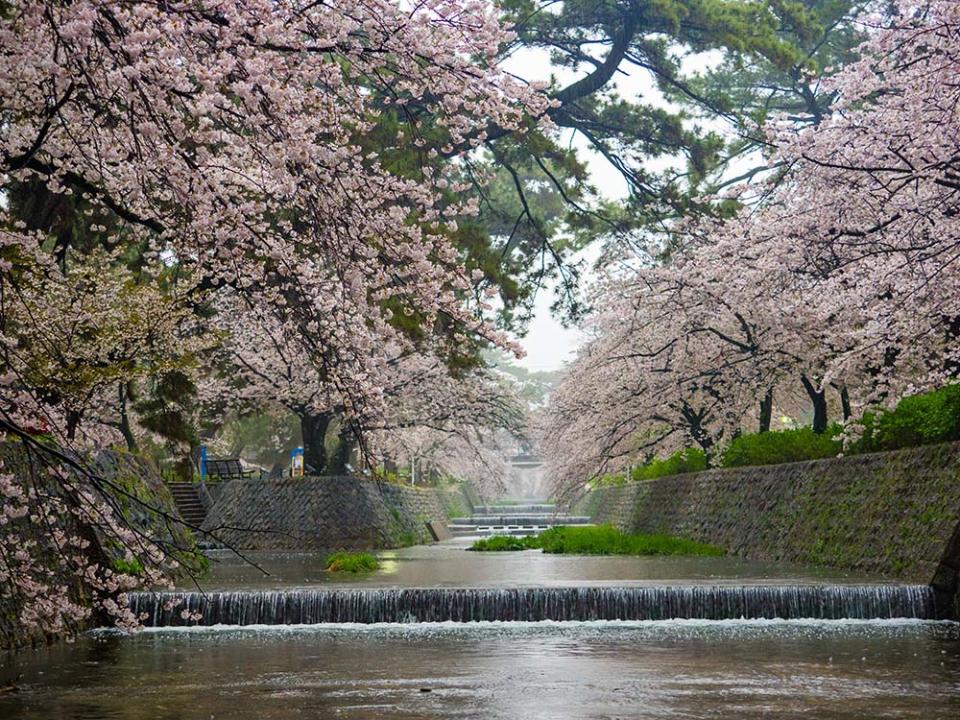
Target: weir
x,y
514,519
412,605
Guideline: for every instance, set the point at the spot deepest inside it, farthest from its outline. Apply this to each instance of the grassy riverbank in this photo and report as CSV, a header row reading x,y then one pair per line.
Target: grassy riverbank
x,y
600,540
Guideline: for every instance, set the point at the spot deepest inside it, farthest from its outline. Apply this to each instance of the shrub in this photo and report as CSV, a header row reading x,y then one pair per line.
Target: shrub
x,y
784,446
611,480
351,562
128,567
917,420
683,461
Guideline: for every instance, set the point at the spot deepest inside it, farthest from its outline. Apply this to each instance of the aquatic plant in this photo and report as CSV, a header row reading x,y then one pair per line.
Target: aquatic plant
x,y
597,540
351,562
496,543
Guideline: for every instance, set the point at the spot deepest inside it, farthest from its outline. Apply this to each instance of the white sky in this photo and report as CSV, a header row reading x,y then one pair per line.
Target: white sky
x,y
549,345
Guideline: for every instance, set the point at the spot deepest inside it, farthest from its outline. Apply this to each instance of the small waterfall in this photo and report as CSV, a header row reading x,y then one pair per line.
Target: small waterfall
x,y
403,605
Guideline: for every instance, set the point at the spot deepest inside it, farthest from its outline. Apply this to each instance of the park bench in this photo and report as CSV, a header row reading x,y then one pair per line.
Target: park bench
x,y
226,469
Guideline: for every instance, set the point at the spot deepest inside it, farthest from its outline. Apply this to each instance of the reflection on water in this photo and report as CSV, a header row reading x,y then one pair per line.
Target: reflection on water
x,y
681,669
451,565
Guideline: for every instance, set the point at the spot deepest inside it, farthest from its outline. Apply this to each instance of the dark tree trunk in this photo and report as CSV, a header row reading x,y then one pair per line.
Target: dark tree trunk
x,y
696,421
819,400
766,411
73,422
952,365
124,426
844,401
313,428
341,456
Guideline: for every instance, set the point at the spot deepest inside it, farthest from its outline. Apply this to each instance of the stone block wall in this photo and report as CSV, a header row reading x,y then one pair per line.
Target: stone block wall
x,y
457,500
895,513
322,513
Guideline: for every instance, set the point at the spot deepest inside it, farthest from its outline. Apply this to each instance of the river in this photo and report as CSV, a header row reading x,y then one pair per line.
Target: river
x,y
681,668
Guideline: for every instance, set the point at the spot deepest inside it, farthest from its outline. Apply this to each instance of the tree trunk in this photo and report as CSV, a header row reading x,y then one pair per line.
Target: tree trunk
x,y
341,456
73,422
125,429
766,411
819,400
696,422
844,401
952,365
313,428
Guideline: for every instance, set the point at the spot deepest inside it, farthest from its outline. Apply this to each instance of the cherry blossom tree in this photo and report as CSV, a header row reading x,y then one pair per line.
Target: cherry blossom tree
x,y
226,141
228,135
839,274
426,405
456,424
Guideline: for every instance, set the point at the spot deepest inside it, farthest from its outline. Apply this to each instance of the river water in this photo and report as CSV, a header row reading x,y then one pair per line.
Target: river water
x,y
672,669
664,669
449,564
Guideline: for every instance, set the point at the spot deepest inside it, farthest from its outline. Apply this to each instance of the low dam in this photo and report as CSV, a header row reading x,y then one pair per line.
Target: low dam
x,y
533,604
514,519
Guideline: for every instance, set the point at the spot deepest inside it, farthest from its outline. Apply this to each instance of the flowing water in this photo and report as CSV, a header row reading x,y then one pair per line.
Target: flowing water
x,y
669,669
420,605
416,640
449,564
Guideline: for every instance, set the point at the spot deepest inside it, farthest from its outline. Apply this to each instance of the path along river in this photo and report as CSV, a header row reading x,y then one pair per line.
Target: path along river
x,y
675,668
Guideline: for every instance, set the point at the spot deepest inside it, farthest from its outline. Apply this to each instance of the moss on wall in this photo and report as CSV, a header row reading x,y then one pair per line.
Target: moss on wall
x,y
455,500
895,513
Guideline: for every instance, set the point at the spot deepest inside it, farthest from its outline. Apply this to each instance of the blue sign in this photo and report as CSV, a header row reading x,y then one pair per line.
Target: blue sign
x,y
203,462
296,462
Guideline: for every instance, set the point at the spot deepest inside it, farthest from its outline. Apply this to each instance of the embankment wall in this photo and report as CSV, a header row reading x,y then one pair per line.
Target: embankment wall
x,y
328,513
894,513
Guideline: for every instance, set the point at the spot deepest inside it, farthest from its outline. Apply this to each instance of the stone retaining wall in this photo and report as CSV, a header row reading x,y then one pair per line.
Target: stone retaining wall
x,y
325,513
896,513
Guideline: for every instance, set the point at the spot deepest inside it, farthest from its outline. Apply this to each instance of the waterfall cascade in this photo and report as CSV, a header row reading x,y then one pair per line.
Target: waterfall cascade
x,y
708,602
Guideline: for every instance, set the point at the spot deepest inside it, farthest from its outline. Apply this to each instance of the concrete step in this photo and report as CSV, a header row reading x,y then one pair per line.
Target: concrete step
x,y
187,499
541,519
515,509
505,529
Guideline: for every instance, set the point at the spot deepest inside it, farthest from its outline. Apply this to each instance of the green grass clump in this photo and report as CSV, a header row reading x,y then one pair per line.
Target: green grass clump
x,y
607,540
351,562
132,566
785,446
599,540
498,543
689,460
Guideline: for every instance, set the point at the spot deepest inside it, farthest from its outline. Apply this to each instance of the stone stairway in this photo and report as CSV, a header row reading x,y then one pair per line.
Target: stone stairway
x,y
513,519
187,499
